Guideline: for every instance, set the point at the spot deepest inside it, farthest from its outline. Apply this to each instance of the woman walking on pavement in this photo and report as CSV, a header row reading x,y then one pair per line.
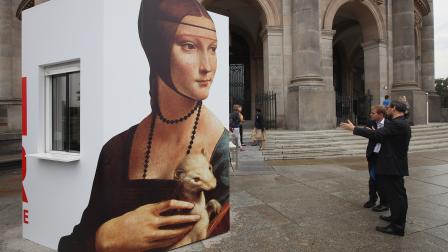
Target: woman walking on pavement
x,y
259,132
240,110
235,122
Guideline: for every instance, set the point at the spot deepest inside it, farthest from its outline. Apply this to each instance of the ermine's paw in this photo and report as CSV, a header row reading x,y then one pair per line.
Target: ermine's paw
x,y
213,206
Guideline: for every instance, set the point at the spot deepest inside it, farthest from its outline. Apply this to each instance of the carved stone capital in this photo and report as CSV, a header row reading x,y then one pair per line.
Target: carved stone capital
x,y
373,44
24,4
378,2
271,30
418,19
422,6
329,34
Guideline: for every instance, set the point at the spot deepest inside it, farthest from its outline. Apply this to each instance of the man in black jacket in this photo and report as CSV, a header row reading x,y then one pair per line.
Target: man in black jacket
x,y
392,164
377,116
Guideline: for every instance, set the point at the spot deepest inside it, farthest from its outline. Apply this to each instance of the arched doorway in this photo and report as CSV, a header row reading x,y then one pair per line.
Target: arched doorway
x,y
239,60
348,71
247,20
348,57
359,57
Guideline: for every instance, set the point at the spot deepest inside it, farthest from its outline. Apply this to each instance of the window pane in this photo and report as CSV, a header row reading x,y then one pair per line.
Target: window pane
x,y
59,115
74,108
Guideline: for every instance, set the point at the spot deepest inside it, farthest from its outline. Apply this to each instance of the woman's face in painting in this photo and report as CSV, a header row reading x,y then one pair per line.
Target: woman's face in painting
x,y
193,57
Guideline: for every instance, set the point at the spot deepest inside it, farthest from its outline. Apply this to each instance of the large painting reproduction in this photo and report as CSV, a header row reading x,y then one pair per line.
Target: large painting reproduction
x,y
150,170
163,183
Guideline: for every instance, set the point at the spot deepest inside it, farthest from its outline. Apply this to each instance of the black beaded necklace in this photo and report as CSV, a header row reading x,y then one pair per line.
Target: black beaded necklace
x,y
181,119
197,107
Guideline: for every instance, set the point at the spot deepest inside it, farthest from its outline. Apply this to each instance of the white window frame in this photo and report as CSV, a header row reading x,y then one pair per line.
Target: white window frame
x,y
49,153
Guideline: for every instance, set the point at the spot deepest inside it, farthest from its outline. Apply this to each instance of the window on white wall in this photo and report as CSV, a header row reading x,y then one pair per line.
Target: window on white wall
x,y
63,108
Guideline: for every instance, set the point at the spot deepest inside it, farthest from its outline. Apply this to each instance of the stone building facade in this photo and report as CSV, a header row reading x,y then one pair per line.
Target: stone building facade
x,y
309,52
10,88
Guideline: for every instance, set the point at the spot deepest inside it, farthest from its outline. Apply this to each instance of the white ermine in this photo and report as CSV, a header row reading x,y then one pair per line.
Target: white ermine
x,y
195,175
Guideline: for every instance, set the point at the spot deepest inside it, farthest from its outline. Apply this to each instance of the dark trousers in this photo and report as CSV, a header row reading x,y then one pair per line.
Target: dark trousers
x,y
374,192
393,188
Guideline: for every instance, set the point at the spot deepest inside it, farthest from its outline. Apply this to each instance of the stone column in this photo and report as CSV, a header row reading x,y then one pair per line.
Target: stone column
x,y
375,69
287,50
326,43
311,101
5,49
405,83
5,62
257,78
16,59
428,84
10,67
273,67
390,46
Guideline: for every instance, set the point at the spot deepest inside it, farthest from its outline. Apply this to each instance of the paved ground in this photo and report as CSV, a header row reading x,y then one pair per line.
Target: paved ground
x,y
10,210
303,205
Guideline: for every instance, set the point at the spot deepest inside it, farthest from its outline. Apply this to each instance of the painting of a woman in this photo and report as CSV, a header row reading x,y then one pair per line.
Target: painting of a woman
x,y
133,204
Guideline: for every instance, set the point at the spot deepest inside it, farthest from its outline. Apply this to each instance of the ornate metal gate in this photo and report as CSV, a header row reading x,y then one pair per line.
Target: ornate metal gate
x,y
236,80
267,102
353,108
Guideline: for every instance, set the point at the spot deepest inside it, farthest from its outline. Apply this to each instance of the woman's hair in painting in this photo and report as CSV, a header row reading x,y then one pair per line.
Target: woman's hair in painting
x,y
157,24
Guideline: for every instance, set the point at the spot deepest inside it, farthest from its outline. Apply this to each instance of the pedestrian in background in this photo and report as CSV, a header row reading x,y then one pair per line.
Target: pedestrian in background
x,y
259,132
235,122
240,110
386,101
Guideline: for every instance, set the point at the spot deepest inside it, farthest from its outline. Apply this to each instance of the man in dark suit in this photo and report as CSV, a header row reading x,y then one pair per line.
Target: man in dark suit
x,y
377,116
392,164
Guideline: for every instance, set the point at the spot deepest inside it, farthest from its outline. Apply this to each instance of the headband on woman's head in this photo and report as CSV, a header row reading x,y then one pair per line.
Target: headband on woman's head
x,y
157,25
189,24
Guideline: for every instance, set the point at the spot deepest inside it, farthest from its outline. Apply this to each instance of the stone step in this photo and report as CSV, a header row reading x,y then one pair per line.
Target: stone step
x,y
350,136
349,148
10,158
337,141
10,142
346,141
345,153
336,155
414,128
362,143
282,144
342,133
10,147
339,133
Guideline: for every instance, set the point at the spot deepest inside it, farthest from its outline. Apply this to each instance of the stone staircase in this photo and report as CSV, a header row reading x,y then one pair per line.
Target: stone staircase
x,y
283,144
10,147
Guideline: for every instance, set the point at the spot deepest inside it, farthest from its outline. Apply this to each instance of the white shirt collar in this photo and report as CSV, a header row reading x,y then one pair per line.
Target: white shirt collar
x,y
382,122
